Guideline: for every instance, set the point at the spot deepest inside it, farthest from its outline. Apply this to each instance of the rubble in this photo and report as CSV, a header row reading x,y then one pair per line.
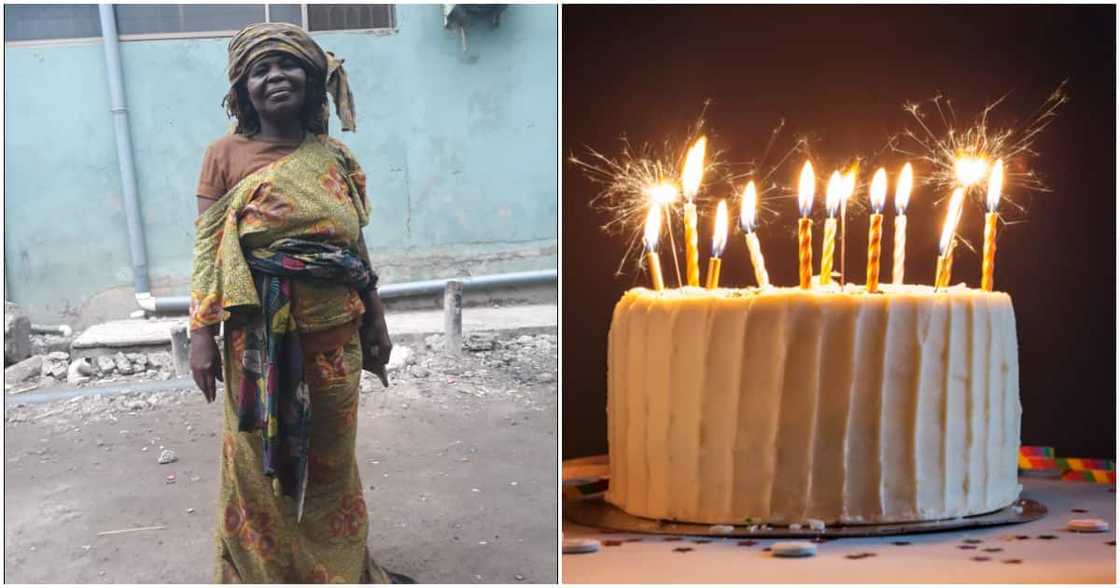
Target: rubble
x,y
42,344
55,364
17,334
79,371
167,456
23,371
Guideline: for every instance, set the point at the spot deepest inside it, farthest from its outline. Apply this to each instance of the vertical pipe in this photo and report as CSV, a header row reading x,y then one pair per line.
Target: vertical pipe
x,y
453,316
124,150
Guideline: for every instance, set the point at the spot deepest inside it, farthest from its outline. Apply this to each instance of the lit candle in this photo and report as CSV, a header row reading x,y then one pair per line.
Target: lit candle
x,y
995,185
719,241
948,239
653,261
805,226
875,228
901,199
747,221
690,180
832,201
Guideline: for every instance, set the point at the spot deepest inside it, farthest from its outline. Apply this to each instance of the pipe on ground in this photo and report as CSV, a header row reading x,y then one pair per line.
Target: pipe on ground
x,y
181,304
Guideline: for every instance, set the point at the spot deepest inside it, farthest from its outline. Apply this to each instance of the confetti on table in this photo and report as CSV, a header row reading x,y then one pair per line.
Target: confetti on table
x,y
581,545
1087,525
794,549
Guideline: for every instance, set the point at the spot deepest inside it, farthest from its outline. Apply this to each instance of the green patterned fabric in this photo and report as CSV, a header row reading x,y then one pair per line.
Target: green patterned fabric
x,y
317,193
259,539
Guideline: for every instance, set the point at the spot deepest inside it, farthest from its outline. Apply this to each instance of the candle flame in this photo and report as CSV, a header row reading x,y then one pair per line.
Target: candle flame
x,y
693,168
902,190
956,204
719,239
995,185
805,189
970,169
748,212
849,184
653,228
879,190
662,194
834,193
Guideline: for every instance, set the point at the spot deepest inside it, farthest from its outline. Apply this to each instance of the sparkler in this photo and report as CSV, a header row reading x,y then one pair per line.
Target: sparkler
x,y
960,158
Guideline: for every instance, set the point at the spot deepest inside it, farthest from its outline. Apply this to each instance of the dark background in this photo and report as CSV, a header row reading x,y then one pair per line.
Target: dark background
x,y
842,74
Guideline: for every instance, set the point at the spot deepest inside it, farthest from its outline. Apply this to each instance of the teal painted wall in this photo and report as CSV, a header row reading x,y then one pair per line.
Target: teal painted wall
x,y
459,149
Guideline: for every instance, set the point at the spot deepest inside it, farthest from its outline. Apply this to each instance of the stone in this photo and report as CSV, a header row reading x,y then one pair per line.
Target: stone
x,y
419,371
55,364
124,366
139,361
400,357
44,344
23,371
17,334
160,360
106,365
79,371
546,377
477,342
434,341
167,456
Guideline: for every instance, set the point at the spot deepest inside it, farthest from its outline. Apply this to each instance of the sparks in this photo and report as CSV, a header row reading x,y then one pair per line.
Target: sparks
x,y
958,157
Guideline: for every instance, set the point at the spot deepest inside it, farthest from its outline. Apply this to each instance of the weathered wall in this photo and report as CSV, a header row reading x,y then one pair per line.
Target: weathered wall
x,y
460,151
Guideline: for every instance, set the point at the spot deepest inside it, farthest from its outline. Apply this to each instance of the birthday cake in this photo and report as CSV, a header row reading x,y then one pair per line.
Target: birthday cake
x,y
784,405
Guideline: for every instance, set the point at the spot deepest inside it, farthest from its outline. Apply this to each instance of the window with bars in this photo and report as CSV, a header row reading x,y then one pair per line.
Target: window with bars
x,y
41,22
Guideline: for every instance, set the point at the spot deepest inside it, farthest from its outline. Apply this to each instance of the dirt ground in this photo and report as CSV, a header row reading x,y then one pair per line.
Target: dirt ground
x,y
458,459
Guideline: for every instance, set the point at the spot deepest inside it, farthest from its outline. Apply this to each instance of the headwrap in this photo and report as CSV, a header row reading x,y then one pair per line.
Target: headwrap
x,y
259,39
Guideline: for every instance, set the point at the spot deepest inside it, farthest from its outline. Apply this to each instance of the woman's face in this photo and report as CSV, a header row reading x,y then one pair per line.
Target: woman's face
x,y
276,85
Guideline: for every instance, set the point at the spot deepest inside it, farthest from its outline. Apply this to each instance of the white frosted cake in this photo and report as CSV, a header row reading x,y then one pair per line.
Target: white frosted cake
x,y
786,405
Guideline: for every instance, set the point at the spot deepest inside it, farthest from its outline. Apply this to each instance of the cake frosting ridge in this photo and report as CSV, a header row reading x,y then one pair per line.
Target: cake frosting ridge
x,y
784,404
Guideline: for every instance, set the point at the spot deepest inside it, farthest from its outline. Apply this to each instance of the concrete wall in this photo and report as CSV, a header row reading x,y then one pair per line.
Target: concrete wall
x,y
459,149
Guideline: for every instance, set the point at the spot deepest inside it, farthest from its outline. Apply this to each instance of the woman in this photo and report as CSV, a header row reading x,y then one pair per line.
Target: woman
x,y
280,260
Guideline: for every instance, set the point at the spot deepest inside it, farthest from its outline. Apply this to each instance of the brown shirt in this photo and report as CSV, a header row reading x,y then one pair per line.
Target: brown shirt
x,y
229,160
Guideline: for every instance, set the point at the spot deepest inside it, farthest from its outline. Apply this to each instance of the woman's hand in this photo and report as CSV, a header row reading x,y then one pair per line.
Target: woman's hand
x,y
206,362
377,333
